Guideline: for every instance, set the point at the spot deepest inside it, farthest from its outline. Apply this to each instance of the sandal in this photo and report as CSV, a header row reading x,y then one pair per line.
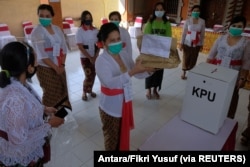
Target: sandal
x,y
93,94
183,77
84,97
156,95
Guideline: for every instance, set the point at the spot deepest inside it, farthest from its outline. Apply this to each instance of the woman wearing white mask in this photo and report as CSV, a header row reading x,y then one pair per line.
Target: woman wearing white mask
x,y
50,46
114,69
193,34
232,51
158,25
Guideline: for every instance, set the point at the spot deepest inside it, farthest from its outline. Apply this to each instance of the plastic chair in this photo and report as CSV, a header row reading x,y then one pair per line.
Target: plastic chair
x,y
5,35
27,32
27,23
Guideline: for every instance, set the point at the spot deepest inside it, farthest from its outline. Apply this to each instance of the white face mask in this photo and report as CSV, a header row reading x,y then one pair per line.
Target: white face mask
x,y
159,13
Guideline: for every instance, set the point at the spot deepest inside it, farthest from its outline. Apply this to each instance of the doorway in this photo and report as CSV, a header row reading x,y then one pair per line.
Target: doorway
x,y
212,11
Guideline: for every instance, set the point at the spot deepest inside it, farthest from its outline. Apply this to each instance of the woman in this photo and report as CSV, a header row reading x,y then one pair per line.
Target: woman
x,y
21,112
86,41
192,40
158,25
115,17
114,69
232,51
50,46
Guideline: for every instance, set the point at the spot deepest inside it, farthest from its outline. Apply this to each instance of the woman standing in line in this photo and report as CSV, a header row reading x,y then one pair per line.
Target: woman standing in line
x,y
192,40
157,25
86,38
114,69
50,46
232,51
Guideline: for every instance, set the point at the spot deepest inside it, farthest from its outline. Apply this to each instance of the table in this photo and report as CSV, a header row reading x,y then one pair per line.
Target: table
x,y
177,135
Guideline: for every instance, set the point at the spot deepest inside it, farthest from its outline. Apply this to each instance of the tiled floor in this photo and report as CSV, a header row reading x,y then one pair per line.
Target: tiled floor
x,y
74,142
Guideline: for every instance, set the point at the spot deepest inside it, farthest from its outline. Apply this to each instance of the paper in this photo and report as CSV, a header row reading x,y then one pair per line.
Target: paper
x,y
156,45
128,92
56,49
226,61
193,35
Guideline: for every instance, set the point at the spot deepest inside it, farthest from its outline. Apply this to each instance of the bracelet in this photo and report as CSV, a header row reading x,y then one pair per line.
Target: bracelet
x,y
63,65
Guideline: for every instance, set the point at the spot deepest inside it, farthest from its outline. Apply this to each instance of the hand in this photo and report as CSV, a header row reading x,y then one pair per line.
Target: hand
x,y
49,110
201,48
92,60
181,47
55,121
59,70
241,83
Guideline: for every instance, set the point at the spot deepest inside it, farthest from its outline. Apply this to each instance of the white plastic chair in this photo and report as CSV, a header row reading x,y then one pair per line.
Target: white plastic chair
x,y
27,32
135,30
71,23
69,35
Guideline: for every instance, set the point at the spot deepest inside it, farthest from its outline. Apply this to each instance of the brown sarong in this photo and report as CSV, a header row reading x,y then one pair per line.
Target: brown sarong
x,y
54,87
190,56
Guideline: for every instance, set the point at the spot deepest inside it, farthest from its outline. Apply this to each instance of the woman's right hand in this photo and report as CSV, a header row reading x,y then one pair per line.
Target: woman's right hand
x,y
55,121
181,47
138,68
60,70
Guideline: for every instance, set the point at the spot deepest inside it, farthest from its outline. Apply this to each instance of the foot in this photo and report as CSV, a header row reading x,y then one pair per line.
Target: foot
x,y
84,97
183,77
93,94
148,95
156,95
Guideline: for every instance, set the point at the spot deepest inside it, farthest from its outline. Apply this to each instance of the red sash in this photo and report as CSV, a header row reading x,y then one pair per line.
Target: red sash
x,y
59,57
197,38
232,63
127,118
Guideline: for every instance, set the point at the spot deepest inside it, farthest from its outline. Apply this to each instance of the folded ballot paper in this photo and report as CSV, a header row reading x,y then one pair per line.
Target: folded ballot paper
x,y
158,51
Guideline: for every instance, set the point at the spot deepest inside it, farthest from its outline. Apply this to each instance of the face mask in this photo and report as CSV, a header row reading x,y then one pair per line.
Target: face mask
x,y
30,75
195,14
159,13
115,48
235,31
45,21
88,22
116,23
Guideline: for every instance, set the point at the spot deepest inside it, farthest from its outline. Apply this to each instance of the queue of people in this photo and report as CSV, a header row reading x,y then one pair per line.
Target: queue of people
x,y
26,119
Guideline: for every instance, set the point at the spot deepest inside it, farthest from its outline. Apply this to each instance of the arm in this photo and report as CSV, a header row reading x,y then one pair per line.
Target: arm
x,y
168,30
213,52
148,28
184,33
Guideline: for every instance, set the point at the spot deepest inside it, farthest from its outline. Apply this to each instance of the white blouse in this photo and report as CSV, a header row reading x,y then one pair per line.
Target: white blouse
x,y
21,117
189,27
89,38
110,76
240,51
42,39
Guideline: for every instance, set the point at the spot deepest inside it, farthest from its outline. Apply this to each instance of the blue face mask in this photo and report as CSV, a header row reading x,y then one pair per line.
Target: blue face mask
x,y
88,22
235,31
159,14
115,48
45,21
195,14
117,23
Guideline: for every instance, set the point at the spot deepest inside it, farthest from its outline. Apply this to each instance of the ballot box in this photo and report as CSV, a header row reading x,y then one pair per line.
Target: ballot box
x,y
208,95
178,135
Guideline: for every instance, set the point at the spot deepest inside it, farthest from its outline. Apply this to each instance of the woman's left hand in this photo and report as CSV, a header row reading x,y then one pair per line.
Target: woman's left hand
x,y
49,110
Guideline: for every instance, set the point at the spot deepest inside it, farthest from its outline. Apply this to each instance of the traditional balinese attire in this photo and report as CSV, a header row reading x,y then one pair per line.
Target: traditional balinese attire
x,y
162,29
115,99
52,46
192,40
87,38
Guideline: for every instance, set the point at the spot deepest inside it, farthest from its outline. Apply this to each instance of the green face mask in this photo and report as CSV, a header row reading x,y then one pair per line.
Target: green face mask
x,y
45,21
115,48
195,14
116,23
235,31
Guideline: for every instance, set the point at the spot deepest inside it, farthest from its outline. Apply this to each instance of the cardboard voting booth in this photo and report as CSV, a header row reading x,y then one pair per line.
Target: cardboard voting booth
x,y
208,95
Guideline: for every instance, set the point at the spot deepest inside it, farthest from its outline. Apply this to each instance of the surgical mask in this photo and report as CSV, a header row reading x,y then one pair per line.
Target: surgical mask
x,y
88,22
116,23
234,31
115,48
30,75
45,21
159,13
195,14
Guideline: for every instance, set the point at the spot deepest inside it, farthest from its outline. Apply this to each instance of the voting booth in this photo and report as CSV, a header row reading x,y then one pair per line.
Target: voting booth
x,y
208,95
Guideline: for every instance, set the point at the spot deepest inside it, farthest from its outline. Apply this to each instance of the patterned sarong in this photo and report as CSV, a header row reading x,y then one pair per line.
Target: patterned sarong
x,y
54,87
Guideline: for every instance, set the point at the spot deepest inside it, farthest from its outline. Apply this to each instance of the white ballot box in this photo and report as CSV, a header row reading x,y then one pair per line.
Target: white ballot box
x,y
208,95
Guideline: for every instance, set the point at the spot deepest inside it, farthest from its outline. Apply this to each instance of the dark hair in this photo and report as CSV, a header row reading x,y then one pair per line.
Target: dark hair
x,y
238,19
105,30
164,18
115,13
15,57
46,7
83,16
196,6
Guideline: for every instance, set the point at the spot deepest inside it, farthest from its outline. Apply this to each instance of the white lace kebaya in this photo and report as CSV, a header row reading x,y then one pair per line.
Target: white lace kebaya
x,y
21,117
